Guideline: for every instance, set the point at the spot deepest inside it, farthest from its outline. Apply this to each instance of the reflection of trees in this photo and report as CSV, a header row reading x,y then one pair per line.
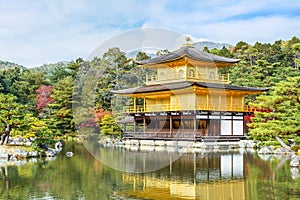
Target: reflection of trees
x,y
65,178
82,176
270,179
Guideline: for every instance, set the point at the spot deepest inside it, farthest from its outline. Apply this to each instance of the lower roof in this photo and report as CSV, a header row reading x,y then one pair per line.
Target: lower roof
x,y
185,84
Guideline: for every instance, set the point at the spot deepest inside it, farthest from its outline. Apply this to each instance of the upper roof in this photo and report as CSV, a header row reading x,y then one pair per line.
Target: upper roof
x,y
185,84
191,52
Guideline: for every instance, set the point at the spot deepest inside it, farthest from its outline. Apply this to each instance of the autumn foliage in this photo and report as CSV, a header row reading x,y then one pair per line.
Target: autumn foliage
x,y
43,96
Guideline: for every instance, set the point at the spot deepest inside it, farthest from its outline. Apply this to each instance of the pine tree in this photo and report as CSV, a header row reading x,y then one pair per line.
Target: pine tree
x,y
109,126
280,114
61,109
11,114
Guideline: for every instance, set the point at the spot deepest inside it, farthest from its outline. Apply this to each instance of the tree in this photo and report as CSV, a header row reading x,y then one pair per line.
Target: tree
x,y
29,81
61,108
296,50
113,66
7,79
281,115
11,113
43,96
38,130
162,52
109,126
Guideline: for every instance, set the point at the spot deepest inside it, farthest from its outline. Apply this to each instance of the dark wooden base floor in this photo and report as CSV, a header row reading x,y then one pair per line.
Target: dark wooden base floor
x,y
178,138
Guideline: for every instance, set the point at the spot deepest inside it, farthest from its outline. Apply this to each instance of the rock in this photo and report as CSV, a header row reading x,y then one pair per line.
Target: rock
x,y
135,142
266,157
185,144
250,144
266,150
50,153
243,143
281,142
28,144
12,158
171,143
295,161
285,150
3,155
33,154
147,142
295,172
159,142
58,146
147,148
292,142
20,153
198,145
20,162
69,154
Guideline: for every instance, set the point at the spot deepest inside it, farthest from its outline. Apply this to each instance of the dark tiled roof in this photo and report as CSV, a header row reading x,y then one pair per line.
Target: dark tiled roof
x,y
185,84
191,52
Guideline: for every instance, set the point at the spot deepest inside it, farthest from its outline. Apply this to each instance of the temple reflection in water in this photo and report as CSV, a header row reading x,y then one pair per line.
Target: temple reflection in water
x,y
193,176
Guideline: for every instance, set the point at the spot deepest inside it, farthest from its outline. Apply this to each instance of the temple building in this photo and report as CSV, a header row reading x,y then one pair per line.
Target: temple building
x,y
185,97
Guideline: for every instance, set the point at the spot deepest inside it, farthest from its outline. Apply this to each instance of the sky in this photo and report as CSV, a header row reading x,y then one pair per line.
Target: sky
x,y
36,32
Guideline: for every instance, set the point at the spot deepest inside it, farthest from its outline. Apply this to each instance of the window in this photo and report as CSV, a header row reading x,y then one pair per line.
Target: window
x,y
212,75
162,76
181,74
191,73
202,124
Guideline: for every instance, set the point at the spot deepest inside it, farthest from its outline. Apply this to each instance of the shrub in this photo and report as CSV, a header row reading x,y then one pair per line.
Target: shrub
x,y
295,148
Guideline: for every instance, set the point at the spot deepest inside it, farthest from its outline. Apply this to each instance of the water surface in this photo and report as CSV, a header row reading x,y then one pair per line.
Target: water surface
x,y
226,175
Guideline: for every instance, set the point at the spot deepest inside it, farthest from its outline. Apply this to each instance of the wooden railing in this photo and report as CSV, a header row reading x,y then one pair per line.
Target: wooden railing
x,y
184,135
203,77
204,107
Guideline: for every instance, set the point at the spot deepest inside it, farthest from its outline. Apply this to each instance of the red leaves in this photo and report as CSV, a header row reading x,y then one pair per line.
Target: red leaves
x,y
43,97
100,113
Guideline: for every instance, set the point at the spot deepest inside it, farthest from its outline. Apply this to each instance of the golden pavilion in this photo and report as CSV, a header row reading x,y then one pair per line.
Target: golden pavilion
x,y
185,97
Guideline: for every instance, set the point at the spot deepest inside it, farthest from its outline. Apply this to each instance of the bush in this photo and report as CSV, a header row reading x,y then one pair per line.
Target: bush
x,y
295,148
269,143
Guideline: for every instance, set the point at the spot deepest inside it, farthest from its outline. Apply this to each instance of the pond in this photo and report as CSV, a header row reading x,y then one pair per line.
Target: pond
x,y
230,174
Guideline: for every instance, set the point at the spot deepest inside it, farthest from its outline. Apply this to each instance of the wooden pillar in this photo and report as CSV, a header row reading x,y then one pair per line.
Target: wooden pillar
x,y
171,165
134,126
220,102
144,124
232,123
195,168
144,165
171,126
144,105
207,101
134,104
195,124
231,101
243,103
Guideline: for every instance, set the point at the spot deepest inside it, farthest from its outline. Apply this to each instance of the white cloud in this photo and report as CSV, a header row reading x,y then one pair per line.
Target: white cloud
x,y
37,32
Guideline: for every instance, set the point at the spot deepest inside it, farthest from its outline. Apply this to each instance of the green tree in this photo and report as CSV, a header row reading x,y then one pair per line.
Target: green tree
x,y
280,115
109,126
32,127
58,73
11,114
113,66
7,79
29,81
61,110
162,52
296,50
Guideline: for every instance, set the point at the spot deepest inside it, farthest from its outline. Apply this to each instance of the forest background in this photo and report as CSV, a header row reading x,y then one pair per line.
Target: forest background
x,y
39,102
